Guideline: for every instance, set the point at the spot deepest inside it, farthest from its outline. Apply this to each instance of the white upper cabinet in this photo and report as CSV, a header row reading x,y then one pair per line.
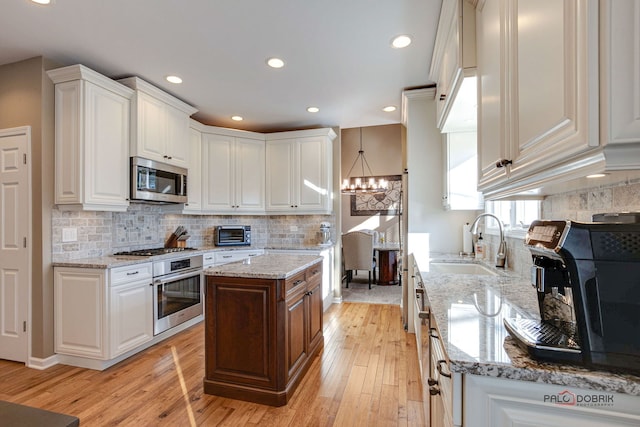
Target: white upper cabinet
x,y
556,84
159,125
194,177
233,172
454,57
299,171
620,72
491,69
92,140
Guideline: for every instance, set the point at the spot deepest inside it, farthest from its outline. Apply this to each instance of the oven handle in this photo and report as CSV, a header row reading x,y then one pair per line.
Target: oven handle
x,y
177,276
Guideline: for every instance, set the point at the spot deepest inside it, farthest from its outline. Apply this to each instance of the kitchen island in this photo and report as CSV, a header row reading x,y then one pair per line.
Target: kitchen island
x,y
482,378
263,326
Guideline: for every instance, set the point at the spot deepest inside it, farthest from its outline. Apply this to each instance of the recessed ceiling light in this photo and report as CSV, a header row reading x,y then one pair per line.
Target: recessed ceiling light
x,y
237,118
389,108
42,1
401,41
597,175
174,79
313,109
275,62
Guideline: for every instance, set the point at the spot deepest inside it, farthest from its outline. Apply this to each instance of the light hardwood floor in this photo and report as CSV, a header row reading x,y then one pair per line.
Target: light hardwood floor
x,y
367,375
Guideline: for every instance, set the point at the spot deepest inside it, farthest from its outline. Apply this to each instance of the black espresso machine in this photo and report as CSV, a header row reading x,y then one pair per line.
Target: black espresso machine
x,y
587,277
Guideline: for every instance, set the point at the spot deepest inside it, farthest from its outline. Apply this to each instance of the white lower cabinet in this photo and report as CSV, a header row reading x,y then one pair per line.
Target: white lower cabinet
x,y
102,313
131,315
494,402
224,257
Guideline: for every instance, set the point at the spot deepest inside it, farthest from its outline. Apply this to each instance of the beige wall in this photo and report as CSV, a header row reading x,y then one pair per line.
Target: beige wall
x,y
382,147
26,99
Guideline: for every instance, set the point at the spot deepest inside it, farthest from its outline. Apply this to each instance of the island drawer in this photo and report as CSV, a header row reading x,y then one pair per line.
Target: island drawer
x,y
313,273
294,281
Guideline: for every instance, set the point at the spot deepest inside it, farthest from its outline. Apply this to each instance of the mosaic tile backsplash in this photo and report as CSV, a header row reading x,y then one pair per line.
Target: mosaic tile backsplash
x,y
145,226
577,205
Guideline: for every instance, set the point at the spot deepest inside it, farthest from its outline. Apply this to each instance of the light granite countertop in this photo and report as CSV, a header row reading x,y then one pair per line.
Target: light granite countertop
x,y
270,266
114,261
469,311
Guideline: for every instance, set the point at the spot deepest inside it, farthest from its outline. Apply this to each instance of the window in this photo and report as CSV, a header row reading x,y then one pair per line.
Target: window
x,y
514,214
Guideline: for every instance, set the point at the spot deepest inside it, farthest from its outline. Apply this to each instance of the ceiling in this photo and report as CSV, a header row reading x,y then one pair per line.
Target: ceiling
x,y
337,53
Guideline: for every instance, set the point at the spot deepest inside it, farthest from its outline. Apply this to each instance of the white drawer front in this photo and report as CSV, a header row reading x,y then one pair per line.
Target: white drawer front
x,y
131,273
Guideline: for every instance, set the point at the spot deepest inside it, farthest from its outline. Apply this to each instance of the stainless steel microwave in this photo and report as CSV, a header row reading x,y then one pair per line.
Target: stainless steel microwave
x,y
233,235
157,182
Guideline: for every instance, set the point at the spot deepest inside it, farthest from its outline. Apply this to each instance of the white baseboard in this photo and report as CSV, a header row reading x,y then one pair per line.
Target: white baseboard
x,y
42,364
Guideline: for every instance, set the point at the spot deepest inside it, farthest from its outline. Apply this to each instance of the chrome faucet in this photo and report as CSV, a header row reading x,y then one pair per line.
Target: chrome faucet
x,y
501,256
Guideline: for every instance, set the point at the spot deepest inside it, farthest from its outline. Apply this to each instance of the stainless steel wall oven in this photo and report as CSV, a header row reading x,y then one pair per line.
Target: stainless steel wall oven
x,y
178,291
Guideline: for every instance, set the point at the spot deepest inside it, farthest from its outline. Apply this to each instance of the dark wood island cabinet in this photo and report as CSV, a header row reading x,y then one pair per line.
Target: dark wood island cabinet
x,y
263,326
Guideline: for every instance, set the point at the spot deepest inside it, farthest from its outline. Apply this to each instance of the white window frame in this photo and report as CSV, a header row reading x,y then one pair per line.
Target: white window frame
x,y
519,211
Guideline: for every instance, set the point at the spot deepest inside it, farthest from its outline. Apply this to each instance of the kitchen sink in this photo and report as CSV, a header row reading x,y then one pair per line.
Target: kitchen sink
x,y
460,268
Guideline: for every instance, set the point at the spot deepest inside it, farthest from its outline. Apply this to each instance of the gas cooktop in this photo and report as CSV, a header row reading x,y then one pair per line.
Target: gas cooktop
x,y
154,251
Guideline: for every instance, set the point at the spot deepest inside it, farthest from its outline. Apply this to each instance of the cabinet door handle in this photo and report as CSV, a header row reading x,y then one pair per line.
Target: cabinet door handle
x,y
433,333
503,162
133,273
297,282
440,371
443,96
434,390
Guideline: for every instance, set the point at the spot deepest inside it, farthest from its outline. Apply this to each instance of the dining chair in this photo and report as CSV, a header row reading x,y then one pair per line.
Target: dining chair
x,y
357,254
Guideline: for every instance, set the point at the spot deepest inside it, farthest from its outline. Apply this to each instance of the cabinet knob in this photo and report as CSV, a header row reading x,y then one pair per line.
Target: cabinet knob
x,y
432,382
503,162
434,390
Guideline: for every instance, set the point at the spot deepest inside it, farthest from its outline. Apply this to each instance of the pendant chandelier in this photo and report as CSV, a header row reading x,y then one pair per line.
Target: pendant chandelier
x,y
363,183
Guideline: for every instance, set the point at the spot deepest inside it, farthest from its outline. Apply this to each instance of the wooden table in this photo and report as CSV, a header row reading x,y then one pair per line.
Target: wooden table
x,y
387,263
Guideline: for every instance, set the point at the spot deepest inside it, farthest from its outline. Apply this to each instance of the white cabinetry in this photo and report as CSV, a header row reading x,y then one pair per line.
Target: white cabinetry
x,y
299,171
233,172
101,314
208,259
130,308
549,110
454,56
494,402
547,84
620,74
92,140
225,257
194,178
160,124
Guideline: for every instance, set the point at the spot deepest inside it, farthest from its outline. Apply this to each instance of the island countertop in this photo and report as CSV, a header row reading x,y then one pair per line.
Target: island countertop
x,y
269,266
469,311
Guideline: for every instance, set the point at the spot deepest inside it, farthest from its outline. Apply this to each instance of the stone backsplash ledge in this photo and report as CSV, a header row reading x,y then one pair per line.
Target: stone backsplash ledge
x,y
145,226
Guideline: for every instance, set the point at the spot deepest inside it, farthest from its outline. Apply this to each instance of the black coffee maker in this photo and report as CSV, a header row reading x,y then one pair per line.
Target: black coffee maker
x,y
587,277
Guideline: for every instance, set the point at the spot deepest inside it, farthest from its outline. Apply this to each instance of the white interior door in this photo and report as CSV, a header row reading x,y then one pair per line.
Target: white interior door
x,y
14,234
